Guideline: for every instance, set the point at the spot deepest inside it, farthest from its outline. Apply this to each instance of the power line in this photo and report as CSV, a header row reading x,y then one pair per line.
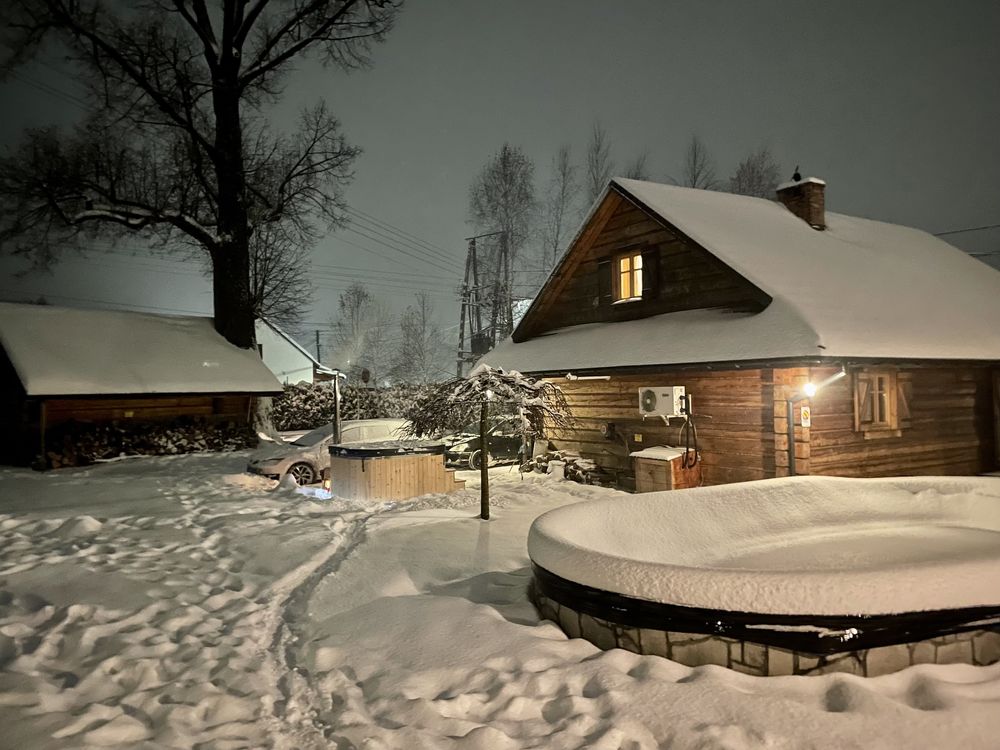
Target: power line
x,y
967,229
127,305
436,249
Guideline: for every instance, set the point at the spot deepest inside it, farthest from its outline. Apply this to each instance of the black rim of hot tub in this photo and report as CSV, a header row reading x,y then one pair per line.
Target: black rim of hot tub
x,y
390,448
832,634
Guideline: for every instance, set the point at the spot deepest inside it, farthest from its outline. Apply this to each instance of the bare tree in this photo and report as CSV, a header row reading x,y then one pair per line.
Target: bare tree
x,y
757,175
360,331
379,347
698,171
638,168
280,289
599,164
502,199
563,189
176,143
421,348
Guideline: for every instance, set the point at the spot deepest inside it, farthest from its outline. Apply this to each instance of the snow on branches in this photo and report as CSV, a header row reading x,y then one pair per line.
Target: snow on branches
x,y
459,401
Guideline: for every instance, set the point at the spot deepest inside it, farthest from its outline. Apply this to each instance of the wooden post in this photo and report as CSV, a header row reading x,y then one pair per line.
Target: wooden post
x,y
790,412
336,406
484,462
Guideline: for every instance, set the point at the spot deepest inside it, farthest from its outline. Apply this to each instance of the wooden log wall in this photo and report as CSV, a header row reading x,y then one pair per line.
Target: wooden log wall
x,y
742,427
145,408
950,429
735,426
688,276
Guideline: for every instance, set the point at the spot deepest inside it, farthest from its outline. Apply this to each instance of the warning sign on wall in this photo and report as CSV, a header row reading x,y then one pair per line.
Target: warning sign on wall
x,y
806,416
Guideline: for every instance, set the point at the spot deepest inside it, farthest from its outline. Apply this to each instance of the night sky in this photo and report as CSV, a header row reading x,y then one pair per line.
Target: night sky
x,y
895,104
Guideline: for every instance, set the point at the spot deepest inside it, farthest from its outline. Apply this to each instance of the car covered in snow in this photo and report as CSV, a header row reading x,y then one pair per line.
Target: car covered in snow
x,y
307,456
463,448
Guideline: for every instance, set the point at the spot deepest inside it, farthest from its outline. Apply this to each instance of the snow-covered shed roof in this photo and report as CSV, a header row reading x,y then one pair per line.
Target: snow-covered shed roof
x,y
319,366
859,289
60,351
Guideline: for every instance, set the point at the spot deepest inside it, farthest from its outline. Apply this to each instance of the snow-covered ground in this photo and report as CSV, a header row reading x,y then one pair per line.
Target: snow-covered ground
x,y
176,602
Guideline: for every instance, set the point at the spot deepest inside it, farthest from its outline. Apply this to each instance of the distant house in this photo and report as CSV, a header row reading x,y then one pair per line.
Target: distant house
x,y
286,358
744,301
59,364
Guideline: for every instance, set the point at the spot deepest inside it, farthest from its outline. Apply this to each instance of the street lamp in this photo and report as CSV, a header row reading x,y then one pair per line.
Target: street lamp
x,y
808,391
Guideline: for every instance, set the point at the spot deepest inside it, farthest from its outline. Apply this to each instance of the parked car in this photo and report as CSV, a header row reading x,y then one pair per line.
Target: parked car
x,y
463,447
306,457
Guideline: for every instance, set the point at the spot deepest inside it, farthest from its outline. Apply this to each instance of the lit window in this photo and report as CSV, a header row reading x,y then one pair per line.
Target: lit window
x,y
628,278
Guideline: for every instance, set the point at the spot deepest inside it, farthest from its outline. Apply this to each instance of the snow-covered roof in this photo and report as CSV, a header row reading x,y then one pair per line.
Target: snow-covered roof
x,y
319,366
859,289
60,351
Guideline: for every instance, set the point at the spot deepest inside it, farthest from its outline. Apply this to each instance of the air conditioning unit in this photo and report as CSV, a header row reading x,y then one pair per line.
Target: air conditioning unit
x,y
661,401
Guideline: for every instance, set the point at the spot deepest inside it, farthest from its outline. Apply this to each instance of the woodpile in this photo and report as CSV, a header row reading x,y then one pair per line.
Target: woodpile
x,y
80,443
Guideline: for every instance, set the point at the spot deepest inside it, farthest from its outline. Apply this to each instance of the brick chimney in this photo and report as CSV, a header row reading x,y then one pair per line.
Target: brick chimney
x,y
804,198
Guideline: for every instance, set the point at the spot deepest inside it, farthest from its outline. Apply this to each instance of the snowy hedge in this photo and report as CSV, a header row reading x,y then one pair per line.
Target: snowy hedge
x,y
305,406
79,444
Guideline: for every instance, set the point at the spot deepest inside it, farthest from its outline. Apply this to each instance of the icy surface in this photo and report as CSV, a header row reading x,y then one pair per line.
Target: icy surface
x,y
61,351
860,288
178,603
803,545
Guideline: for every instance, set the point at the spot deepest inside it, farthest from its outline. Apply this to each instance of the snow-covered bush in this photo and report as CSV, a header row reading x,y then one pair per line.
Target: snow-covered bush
x,y
80,443
305,406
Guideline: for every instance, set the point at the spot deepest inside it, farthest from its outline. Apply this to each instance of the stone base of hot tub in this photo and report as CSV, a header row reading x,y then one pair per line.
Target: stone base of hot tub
x,y
979,647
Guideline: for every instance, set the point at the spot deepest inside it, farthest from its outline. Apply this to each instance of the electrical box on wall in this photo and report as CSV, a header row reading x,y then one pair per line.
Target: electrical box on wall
x,y
662,401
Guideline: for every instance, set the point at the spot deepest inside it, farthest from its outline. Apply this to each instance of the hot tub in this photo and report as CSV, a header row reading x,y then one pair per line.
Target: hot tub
x,y
801,575
390,470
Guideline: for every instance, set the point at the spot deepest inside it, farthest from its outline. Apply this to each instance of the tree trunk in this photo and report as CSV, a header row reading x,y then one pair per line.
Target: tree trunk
x,y
233,304
484,463
231,295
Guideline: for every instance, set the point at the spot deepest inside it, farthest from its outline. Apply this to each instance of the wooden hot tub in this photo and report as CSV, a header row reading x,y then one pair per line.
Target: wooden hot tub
x,y
390,470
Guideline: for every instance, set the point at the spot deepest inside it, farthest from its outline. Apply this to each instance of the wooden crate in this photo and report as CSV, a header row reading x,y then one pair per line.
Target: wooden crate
x,y
656,475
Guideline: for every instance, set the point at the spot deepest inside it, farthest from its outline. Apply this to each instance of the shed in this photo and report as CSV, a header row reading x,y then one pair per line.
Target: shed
x,y
59,364
287,358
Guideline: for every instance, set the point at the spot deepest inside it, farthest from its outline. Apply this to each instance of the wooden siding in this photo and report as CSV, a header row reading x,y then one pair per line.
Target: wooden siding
x,y
735,422
950,430
145,408
686,277
742,428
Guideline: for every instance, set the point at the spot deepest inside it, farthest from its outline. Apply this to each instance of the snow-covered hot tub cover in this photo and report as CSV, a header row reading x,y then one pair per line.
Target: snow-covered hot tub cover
x,y
796,546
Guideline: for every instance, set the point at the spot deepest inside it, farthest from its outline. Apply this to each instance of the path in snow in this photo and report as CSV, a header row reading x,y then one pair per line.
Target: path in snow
x,y
119,629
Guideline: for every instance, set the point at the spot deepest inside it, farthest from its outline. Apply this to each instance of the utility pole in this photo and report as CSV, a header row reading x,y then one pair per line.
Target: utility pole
x,y
471,313
465,305
317,346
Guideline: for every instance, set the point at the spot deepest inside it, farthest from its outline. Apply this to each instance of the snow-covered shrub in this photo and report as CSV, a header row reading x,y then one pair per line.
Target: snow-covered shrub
x,y
305,406
82,443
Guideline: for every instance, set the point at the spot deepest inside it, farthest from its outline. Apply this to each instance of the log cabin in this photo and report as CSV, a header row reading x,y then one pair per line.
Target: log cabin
x,y
60,364
744,302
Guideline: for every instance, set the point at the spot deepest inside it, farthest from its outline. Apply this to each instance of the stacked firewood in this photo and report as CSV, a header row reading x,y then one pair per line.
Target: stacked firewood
x,y
575,468
80,443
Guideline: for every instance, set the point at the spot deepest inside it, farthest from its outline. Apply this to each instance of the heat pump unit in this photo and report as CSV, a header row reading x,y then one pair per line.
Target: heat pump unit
x,y
661,401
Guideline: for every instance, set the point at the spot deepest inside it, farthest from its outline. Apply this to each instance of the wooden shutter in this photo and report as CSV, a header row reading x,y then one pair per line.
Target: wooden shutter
x,y
996,416
650,274
863,412
904,392
604,280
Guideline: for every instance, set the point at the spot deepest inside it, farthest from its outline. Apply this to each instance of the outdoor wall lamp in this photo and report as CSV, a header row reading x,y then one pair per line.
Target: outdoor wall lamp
x,y
808,391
